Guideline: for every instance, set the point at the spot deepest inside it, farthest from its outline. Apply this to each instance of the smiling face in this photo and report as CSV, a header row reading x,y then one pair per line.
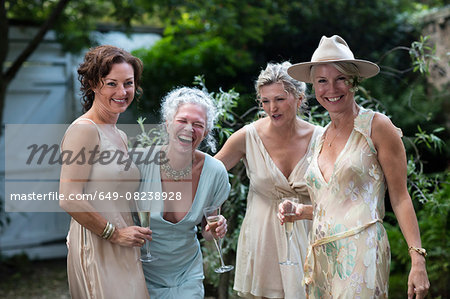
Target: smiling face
x,y
188,127
331,89
278,104
116,92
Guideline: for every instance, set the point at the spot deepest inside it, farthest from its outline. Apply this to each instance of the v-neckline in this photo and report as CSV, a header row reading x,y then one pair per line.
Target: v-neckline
x,y
344,149
273,162
193,202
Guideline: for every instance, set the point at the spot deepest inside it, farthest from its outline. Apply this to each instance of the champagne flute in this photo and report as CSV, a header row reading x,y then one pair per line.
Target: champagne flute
x,y
144,220
212,215
289,206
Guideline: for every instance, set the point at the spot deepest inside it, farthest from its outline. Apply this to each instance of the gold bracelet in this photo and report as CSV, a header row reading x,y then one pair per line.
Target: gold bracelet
x,y
105,230
112,232
420,251
109,231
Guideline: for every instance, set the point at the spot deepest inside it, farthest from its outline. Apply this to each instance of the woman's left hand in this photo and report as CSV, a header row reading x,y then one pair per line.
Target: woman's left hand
x,y
418,279
220,230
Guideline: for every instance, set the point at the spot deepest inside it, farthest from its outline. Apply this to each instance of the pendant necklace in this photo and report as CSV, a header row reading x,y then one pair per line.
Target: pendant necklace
x,y
331,142
339,131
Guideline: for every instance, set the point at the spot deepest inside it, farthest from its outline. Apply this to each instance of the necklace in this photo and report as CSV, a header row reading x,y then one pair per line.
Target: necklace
x,y
331,142
173,173
341,129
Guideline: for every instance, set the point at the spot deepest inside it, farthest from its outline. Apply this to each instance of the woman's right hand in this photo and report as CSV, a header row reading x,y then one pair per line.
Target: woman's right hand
x,y
301,212
131,236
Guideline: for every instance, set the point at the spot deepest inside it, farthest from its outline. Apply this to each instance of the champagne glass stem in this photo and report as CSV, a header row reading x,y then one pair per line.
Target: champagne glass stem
x,y
289,238
147,247
220,252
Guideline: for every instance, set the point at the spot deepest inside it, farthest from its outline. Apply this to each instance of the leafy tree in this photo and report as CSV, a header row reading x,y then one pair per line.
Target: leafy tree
x,y
229,41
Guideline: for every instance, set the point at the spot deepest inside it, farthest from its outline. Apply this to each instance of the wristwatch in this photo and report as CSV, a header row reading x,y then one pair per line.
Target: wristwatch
x,y
420,251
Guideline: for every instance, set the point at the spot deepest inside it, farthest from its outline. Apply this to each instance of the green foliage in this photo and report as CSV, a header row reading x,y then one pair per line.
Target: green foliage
x,y
433,215
229,41
79,18
430,140
188,49
429,194
422,54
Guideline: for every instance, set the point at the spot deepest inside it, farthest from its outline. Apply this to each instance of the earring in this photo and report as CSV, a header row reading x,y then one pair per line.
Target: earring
x,y
261,113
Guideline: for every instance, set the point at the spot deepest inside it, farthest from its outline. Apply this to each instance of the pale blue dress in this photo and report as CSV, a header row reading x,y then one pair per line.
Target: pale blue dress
x,y
179,271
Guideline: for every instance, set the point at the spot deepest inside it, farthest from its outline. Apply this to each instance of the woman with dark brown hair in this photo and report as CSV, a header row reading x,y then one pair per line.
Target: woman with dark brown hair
x,y
103,243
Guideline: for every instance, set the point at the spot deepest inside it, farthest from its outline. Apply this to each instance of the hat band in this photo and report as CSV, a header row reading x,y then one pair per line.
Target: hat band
x,y
332,58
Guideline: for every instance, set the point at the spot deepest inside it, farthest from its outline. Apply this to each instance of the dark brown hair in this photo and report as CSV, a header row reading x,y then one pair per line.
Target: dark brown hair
x,y
97,65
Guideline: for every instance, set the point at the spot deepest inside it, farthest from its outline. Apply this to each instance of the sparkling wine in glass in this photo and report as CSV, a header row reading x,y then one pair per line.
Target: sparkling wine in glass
x,y
289,206
212,218
144,220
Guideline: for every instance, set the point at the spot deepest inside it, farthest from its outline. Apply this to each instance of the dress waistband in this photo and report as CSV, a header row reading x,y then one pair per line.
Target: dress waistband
x,y
310,256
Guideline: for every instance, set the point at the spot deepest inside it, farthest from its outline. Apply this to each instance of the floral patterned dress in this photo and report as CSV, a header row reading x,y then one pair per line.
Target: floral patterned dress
x,y
349,254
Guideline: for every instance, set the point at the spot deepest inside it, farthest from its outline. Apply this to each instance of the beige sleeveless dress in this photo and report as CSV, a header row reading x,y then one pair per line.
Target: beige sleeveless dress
x,y
96,267
262,242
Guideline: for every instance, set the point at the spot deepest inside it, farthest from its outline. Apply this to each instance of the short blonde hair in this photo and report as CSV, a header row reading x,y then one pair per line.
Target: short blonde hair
x,y
277,73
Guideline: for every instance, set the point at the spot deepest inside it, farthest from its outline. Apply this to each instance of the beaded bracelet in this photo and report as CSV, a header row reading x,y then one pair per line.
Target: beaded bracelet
x,y
420,251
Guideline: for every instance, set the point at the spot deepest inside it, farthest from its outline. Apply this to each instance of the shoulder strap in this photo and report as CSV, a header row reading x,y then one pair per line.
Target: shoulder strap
x,y
74,122
363,124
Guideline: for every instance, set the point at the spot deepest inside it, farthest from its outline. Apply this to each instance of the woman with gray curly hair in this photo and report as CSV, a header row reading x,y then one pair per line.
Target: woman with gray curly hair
x,y
275,150
195,180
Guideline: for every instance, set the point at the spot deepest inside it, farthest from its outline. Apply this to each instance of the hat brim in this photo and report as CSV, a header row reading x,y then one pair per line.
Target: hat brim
x,y
302,71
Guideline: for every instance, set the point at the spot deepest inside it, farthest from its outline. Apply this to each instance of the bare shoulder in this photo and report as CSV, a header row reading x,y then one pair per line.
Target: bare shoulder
x,y
383,130
81,133
233,149
236,142
382,123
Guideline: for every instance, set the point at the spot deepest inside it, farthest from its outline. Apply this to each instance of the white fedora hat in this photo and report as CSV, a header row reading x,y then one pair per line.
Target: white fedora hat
x,y
332,49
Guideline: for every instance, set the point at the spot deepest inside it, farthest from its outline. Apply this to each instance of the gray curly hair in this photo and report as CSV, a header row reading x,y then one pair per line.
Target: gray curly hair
x,y
277,73
186,95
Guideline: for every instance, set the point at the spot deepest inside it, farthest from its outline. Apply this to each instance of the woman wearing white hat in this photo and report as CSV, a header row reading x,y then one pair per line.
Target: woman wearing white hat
x,y
358,156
